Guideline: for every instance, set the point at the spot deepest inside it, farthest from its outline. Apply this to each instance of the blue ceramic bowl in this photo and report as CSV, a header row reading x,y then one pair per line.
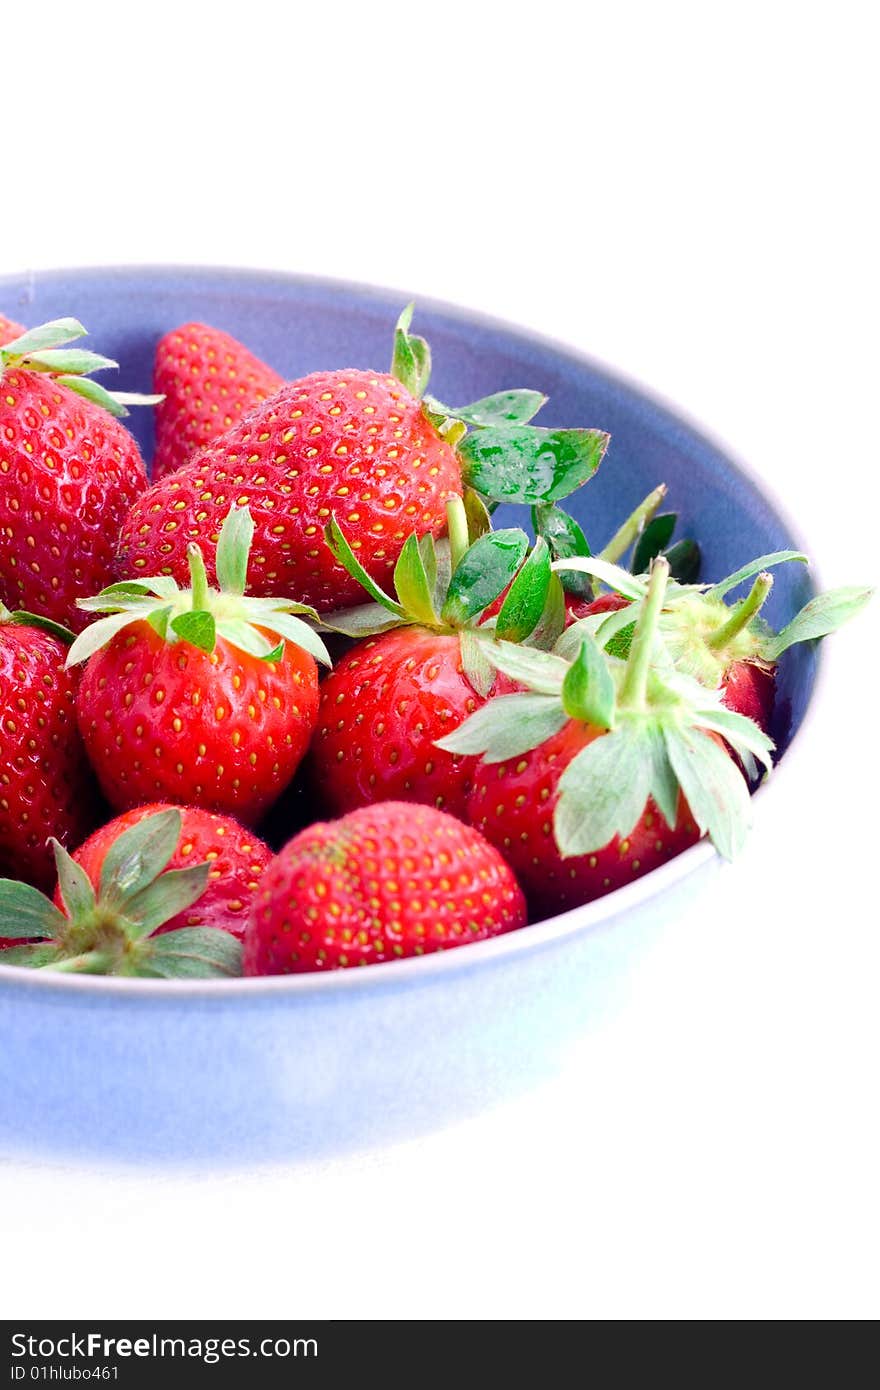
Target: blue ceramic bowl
x,y
259,1068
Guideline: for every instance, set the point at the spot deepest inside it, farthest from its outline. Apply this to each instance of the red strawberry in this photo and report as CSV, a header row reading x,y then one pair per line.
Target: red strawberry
x,y
69,474
384,882
513,804
353,442
388,701
208,380
9,330
198,696
46,785
120,913
607,768
382,709
236,856
361,446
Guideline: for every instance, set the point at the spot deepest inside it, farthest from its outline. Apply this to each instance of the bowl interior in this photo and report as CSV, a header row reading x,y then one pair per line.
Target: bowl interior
x,y
301,325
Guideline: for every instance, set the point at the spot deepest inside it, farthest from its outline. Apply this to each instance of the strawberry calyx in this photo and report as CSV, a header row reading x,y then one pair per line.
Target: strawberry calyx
x,y
448,586
503,457
20,617
111,931
657,733
703,634
44,349
202,614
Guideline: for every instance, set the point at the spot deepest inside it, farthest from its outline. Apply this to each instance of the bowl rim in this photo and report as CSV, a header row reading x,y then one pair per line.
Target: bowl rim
x,y
534,936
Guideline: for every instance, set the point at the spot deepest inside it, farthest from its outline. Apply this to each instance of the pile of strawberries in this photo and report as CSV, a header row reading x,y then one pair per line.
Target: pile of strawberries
x,y
508,724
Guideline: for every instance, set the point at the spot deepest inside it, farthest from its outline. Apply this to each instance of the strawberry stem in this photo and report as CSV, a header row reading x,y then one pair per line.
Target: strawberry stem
x,y
457,523
623,538
743,613
635,679
198,578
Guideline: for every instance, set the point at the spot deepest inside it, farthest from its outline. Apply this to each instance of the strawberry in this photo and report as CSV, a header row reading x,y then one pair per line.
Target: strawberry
x,y
731,649
384,882
237,860
46,786
9,330
389,700
129,913
362,445
605,769
197,696
69,471
208,380
513,803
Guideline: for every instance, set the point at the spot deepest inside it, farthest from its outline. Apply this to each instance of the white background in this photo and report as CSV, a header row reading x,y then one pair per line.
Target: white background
x,y
687,192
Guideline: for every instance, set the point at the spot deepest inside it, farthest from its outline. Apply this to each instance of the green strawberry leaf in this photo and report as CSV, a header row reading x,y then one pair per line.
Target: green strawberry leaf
x,y
94,392
588,691
74,884
502,408
506,727
713,786
139,856
602,792
98,635
22,618
552,620
543,672
428,552
411,360
248,639
338,544
191,953
292,629
413,585
482,573
233,550
664,786
620,580
565,539
653,541
159,618
522,463
73,360
823,614
199,629
763,562
479,521
685,561
34,956
46,335
743,734
172,892
478,670
25,912
366,620
525,599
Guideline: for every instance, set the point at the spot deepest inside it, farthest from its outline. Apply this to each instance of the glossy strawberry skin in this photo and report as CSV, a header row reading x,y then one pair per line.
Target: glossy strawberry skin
x,y
220,730
9,330
384,882
208,380
46,786
69,474
238,861
512,805
382,709
350,444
